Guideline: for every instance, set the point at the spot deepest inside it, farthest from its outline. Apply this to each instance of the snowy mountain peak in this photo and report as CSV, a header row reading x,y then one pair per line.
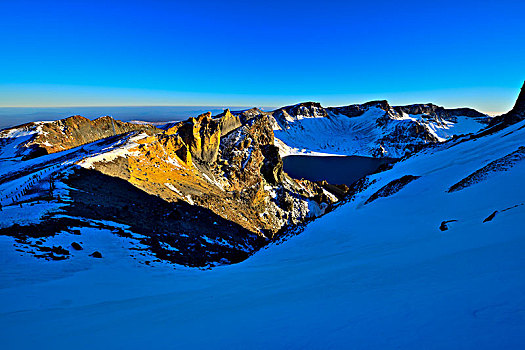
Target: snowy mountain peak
x,y
374,129
299,111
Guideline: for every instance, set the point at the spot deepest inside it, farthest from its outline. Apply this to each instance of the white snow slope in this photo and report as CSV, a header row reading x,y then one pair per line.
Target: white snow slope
x,y
374,276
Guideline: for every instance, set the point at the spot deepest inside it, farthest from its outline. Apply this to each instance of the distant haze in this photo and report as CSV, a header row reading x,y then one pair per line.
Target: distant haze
x,y
11,116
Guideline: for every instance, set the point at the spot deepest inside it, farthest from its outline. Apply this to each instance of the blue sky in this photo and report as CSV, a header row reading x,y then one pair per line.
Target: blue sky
x,y
454,53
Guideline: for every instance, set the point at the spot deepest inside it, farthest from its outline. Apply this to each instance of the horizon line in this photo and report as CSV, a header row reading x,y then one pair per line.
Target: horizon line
x,y
490,113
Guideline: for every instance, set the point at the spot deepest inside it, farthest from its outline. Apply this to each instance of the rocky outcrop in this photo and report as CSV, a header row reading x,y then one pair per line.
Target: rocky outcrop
x,y
392,187
201,135
519,106
515,115
248,154
228,164
272,168
501,164
229,122
444,225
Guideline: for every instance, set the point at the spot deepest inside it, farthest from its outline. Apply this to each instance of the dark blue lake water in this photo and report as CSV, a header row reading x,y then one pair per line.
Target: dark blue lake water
x,y
335,170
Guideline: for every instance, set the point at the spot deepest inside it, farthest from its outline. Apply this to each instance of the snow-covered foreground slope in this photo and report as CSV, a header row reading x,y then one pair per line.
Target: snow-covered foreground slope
x,y
375,275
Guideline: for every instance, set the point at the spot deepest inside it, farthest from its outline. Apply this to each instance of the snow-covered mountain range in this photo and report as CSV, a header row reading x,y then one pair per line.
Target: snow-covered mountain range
x,y
426,254
373,129
227,168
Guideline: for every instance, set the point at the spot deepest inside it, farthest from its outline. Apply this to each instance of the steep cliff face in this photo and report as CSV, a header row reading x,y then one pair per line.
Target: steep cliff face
x,y
519,106
202,136
516,114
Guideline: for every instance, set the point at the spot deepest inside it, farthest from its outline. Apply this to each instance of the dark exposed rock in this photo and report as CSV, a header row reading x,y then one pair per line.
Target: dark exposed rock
x,y
59,250
76,246
96,254
340,191
51,227
498,165
444,226
490,217
272,168
392,187
55,252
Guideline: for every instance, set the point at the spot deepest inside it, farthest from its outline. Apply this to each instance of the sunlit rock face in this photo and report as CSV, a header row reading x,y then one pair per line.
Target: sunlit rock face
x,y
195,161
212,188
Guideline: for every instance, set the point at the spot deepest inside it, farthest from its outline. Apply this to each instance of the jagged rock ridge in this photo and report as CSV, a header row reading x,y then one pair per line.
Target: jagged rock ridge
x,y
208,190
50,137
